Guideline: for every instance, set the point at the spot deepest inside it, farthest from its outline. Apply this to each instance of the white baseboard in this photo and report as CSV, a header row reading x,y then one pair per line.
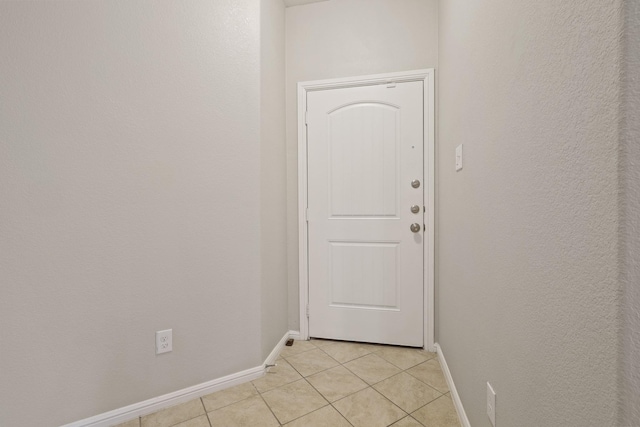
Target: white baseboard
x,y
294,334
462,415
271,359
155,404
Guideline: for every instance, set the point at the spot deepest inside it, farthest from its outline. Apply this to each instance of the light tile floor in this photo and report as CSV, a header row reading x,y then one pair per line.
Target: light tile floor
x,y
327,383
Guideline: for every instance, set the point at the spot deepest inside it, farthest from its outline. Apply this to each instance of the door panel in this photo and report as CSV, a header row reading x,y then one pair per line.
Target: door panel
x,y
364,274
372,153
365,146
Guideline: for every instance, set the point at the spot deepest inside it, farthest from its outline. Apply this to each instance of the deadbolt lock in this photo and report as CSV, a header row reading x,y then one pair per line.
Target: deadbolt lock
x,y
415,209
415,227
415,183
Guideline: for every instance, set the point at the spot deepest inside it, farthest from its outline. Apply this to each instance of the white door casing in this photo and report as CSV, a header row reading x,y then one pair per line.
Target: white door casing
x,y
368,276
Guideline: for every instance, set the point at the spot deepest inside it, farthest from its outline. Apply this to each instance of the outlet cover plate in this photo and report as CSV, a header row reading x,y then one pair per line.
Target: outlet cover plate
x,y
459,158
164,341
491,404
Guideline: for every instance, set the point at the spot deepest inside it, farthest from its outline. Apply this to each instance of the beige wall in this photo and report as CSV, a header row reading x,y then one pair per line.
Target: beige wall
x,y
630,218
133,136
129,181
341,38
528,230
273,184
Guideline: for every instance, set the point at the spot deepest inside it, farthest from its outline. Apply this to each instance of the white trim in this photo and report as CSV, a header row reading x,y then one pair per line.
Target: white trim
x,y
271,358
294,334
155,404
402,76
429,197
303,266
462,415
427,76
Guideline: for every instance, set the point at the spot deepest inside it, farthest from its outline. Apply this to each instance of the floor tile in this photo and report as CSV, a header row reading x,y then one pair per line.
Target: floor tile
x,y
277,376
310,362
407,422
373,347
130,423
440,412
201,421
293,400
430,373
297,348
368,384
174,415
336,383
372,368
428,354
368,408
228,396
246,413
345,351
320,343
324,417
403,358
407,392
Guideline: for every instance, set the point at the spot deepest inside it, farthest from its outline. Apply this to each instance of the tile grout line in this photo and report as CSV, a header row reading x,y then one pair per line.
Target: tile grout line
x,y
409,414
427,384
224,406
188,419
424,382
324,370
300,373
323,396
343,397
365,381
373,350
341,364
206,414
423,407
390,401
371,386
368,386
343,417
302,378
270,410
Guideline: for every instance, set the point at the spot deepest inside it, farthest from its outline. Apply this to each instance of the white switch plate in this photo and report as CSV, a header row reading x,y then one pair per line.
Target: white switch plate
x,y
459,157
491,404
164,341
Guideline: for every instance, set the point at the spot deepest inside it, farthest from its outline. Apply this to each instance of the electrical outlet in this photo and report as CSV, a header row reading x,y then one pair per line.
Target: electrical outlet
x,y
491,404
164,341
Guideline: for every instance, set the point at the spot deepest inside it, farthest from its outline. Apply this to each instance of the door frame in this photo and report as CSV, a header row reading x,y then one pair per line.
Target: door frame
x,y
427,76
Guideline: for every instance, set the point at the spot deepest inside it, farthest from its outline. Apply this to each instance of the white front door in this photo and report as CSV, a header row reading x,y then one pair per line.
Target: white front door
x,y
365,192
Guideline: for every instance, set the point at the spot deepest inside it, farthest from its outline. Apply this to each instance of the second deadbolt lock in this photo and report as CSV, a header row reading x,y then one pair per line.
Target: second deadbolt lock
x,y
415,209
415,183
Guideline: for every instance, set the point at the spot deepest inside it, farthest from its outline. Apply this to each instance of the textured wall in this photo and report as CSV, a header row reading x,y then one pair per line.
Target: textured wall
x,y
273,175
341,38
129,178
528,230
630,215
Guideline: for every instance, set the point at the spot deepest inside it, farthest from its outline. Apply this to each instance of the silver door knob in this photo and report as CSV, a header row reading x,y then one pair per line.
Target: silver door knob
x,y
415,183
415,209
415,227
